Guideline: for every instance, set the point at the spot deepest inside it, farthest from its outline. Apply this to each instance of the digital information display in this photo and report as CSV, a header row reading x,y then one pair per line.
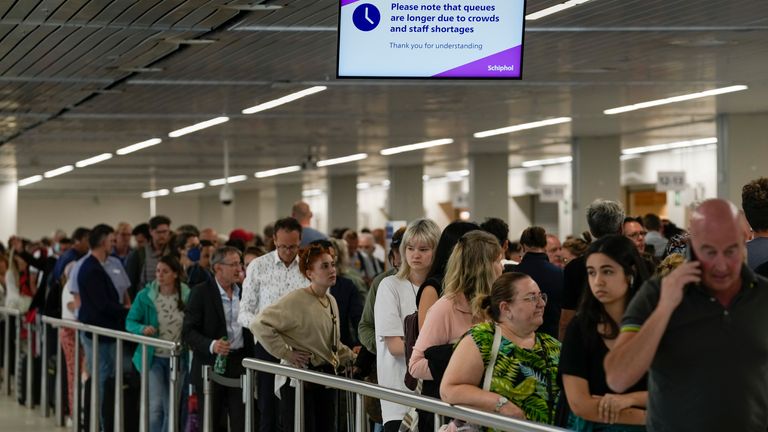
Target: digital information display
x,y
431,39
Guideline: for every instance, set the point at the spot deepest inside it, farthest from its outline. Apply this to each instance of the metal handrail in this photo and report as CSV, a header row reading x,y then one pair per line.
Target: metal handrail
x,y
361,388
173,347
120,337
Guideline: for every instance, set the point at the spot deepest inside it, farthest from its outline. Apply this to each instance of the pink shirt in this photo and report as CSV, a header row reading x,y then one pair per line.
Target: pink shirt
x,y
447,321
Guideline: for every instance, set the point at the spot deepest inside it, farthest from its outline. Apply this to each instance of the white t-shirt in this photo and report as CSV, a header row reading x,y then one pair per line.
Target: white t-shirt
x,y
395,299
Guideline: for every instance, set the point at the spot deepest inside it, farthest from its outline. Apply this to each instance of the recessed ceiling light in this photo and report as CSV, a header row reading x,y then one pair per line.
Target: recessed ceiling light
x,y
311,192
230,180
521,127
341,160
155,193
188,187
544,162
198,126
58,171
673,99
94,160
29,180
417,146
284,100
669,146
138,146
278,171
554,9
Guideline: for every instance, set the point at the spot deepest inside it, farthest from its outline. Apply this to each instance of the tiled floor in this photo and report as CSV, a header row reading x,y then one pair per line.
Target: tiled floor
x,y
17,418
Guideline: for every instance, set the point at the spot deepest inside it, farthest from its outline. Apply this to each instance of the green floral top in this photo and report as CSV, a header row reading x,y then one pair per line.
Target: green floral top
x,y
528,378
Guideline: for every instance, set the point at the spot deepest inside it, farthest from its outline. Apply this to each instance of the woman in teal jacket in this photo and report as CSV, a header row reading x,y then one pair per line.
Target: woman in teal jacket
x,y
158,311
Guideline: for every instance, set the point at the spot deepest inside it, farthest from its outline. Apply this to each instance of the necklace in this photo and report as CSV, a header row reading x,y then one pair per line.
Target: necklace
x,y
314,294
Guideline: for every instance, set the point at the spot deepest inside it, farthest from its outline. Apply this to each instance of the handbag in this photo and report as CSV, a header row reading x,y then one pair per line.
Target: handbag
x,y
457,425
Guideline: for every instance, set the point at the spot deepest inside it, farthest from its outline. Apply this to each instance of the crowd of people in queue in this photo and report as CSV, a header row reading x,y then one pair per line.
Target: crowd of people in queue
x,y
628,327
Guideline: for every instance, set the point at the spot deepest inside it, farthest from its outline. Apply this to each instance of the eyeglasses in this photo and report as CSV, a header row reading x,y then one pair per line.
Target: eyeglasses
x,y
291,248
534,298
637,234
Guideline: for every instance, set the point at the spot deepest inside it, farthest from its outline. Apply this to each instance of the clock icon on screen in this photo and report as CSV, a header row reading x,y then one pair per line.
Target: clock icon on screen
x,y
366,17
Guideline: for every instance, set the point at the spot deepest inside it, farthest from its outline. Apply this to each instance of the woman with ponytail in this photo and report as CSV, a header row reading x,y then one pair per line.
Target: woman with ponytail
x,y
159,312
615,271
517,365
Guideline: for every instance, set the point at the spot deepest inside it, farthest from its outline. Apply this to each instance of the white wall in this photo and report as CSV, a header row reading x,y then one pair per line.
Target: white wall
x,y
699,164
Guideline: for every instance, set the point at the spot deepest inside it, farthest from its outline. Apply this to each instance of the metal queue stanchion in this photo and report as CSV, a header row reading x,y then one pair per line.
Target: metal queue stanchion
x,y
94,403
8,314
209,377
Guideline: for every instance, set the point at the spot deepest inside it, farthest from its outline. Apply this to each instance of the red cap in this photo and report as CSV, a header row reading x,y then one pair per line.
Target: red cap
x,y
241,234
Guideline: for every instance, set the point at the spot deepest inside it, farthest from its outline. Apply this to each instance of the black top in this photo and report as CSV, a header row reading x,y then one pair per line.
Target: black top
x,y
762,269
710,371
582,355
549,278
434,281
575,275
350,304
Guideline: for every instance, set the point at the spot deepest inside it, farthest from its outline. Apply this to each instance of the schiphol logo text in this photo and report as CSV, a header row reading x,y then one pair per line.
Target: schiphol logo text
x,y
501,68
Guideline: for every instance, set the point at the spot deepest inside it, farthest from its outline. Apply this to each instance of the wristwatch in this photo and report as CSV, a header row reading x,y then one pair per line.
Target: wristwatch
x,y
500,403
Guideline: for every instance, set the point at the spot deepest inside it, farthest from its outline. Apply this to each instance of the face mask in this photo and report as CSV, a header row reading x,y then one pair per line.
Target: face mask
x,y
194,254
56,247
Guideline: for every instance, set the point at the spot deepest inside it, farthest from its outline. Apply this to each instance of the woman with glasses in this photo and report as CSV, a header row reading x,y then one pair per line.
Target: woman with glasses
x,y
302,329
517,365
159,312
615,271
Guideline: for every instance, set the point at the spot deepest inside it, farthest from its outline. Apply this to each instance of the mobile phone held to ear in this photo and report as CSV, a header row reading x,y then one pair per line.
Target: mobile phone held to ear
x,y
690,255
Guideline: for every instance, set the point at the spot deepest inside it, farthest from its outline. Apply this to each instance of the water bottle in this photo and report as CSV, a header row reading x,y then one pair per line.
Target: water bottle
x,y
220,366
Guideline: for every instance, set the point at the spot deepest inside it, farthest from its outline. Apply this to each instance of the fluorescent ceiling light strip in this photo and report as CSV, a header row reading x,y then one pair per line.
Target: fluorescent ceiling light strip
x,y
460,173
278,171
554,9
669,146
341,160
520,127
189,187
417,146
311,192
230,179
155,193
284,100
29,180
543,162
138,146
58,171
198,126
363,185
94,160
673,99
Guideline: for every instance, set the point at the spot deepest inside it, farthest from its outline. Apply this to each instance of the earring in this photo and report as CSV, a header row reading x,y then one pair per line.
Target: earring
x,y
631,280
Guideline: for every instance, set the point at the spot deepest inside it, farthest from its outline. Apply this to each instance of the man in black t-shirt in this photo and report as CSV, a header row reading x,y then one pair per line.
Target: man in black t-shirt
x,y
701,333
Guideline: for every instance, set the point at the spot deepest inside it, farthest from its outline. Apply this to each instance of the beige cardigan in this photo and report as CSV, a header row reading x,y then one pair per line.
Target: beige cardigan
x,y
297,321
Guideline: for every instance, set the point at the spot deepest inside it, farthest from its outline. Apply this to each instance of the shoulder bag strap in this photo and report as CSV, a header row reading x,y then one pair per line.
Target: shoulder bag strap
x,y
492,360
